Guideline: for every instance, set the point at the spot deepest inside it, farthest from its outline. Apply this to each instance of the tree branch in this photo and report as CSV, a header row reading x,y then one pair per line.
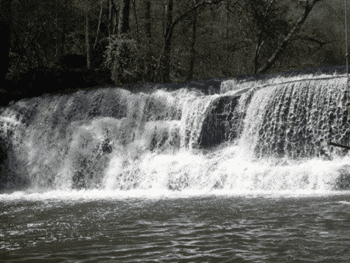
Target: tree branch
x,y
189,12
285,42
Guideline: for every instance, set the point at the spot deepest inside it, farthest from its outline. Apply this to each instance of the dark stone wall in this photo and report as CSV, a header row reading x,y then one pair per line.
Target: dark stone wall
x,y
220,123
9,178
3,165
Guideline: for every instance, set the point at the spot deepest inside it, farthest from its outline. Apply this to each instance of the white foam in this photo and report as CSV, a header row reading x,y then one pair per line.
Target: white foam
x,y
155,156
95,195
344,202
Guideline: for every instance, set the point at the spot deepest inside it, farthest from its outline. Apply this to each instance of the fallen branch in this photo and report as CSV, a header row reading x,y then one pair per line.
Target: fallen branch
x,y
338,145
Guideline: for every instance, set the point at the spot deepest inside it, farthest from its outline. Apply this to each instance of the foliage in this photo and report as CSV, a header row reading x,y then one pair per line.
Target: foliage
x,y
124,52
230,37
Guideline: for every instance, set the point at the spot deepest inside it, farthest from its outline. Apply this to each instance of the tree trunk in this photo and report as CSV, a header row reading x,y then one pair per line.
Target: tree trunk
x,y
110,24
123,25
285,42
193,42
257,54
167,43
148,19
87,42
261,39
148,63
123,28
114,18
136,21
64,29
98,26
5,32
164,60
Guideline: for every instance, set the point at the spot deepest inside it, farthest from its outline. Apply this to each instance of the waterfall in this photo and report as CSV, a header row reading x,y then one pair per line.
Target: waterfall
x,y
295,119
266,137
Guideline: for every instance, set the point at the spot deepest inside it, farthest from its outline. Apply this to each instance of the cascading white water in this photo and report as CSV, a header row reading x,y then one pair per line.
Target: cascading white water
x,y
295,119
268,138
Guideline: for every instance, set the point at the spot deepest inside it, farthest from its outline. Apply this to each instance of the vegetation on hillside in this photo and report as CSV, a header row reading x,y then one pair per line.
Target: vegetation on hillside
x,y
137,41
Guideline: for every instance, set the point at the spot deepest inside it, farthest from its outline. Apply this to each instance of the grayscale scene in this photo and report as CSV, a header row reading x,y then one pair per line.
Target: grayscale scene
x,y
174,131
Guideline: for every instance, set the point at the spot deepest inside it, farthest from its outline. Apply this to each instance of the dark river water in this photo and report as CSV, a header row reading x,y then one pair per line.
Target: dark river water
x,y
101,226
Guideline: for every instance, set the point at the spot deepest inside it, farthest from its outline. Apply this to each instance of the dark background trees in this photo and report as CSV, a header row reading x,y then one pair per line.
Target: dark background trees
x,y
172,40
5,31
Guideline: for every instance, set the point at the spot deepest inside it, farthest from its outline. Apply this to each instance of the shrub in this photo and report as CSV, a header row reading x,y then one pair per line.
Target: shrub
x,y
124,57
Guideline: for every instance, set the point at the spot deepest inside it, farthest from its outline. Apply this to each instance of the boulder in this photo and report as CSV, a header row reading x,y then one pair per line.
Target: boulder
x,y
221,122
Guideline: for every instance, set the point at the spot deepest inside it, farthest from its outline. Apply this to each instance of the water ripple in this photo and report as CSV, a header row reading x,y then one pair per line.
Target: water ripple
x,y
177,230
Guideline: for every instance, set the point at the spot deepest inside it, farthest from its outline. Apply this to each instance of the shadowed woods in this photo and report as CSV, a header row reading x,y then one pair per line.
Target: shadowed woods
x,y
69,74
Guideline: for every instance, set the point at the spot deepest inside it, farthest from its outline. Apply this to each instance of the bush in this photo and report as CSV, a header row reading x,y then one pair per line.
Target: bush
x,y
124,57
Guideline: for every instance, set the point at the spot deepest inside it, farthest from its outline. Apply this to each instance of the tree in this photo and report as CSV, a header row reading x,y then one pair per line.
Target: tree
x,y
285,42
119,45
167,43
5,32
165,40
193,42
163,70
262,24
321,39
145,41
87,6
124,26
268,24
63,29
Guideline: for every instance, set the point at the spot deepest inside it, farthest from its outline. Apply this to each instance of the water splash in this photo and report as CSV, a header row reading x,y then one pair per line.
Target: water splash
x,y
295,119
267,138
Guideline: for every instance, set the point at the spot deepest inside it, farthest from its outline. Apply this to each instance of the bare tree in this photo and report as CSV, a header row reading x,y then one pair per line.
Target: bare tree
x,y
87,6
123,25
167,44
99,24
285,42
123,28
164,60
193,42
63,30
5,32
87,41
148,30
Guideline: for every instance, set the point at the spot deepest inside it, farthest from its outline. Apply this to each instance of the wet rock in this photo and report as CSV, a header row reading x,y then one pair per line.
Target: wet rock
x,y
343,181
10,178
79,181
178,183
220,122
